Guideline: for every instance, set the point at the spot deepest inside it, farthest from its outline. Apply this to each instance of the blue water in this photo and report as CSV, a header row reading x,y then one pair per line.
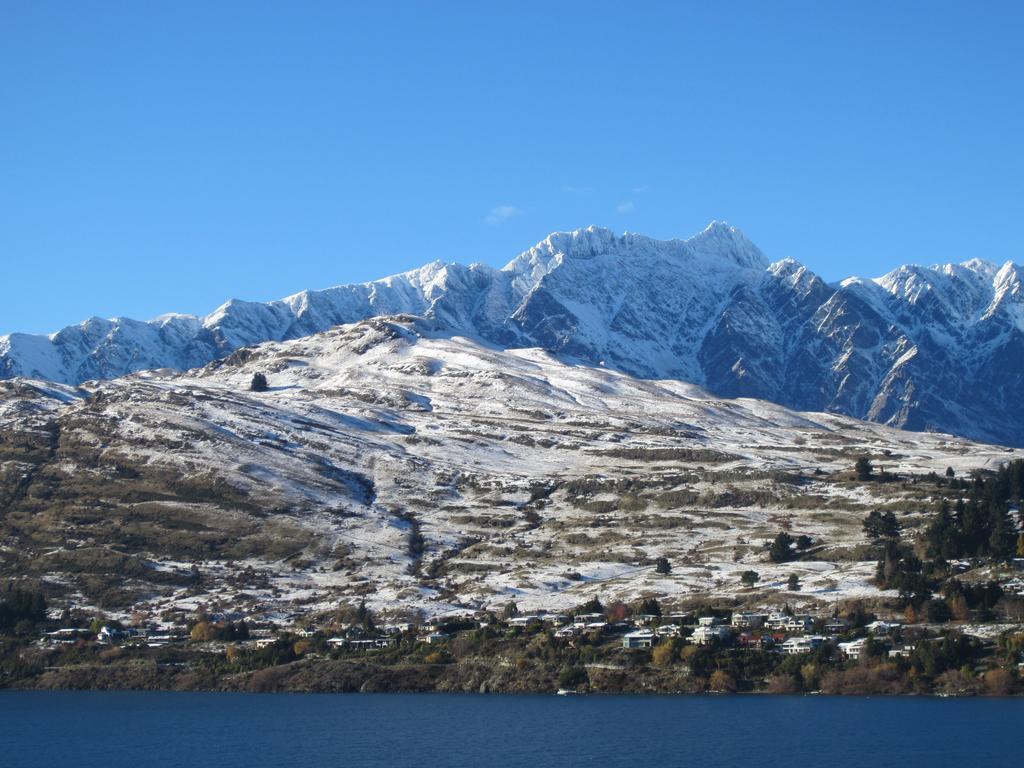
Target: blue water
x,y
152,730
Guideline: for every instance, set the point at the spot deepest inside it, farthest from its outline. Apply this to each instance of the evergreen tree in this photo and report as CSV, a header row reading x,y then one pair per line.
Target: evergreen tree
x,y
880,526
259,382
781,549
863,468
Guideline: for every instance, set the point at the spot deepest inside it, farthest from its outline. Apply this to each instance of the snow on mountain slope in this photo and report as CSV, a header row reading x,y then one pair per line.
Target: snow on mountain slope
x,y
922,348
397,462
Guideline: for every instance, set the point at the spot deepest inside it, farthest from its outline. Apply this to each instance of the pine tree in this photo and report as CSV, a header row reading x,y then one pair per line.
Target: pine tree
x,y
863,468
259,382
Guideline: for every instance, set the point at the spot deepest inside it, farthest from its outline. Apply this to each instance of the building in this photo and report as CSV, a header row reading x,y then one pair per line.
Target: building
x,y
854,648
801,644
837,626
706,635
708,621
747,620
882,627
902,652
642,638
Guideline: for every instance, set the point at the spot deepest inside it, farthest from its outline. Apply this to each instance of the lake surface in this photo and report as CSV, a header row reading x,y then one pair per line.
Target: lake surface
x,y
225,729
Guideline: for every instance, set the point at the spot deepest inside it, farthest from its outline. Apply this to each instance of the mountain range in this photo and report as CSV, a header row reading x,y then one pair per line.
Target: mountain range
x,y
935,348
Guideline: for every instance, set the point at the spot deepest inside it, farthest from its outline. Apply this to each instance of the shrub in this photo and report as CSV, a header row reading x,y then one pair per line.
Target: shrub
x,y
572,677
722,681
664,654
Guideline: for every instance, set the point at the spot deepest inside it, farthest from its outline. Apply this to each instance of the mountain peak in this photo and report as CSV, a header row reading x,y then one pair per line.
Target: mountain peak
x,y
720,239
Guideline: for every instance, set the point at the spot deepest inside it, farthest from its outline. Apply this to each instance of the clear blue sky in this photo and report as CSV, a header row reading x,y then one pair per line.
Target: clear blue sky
x,y
170,155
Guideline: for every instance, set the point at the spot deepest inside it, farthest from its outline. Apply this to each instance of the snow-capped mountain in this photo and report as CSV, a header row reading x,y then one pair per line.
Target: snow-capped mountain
x,y
921,348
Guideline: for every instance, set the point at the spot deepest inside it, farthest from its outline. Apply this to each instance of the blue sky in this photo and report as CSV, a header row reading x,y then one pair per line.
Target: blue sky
x,y
168,156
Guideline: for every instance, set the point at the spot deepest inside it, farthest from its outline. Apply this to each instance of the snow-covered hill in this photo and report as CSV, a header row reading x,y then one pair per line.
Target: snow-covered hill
x,y
922,348
405,465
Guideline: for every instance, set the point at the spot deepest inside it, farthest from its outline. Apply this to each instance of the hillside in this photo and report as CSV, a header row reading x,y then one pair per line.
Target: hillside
x,y
394,462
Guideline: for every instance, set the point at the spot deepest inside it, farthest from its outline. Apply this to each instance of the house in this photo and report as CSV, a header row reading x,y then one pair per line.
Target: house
x,y
667,630
570,631
902,652
788,623
854,648
436,637
644,619
708,621
108,634
586,619
556,619
66,636
337,642
882,627
523,621
642,638
706,635
837,626
747,620
754,641
802,644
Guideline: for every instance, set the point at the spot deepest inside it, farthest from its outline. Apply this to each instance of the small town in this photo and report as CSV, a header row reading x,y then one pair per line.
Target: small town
x,y
617,647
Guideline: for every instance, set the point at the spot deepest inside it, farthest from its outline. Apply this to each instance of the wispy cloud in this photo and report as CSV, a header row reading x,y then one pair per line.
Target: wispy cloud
x,y
499,214
625,206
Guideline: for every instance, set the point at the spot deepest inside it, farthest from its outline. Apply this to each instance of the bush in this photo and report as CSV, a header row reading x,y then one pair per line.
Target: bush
x,y
664,654
750,578
662,565
572,677
722,682
259,383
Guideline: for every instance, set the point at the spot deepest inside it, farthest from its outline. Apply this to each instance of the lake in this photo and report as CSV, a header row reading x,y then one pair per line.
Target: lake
x,y
227,729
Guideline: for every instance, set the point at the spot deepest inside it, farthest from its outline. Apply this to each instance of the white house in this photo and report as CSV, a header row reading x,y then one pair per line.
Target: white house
x,y
882,627
903,652
642,638
854,648
801,644
706,635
